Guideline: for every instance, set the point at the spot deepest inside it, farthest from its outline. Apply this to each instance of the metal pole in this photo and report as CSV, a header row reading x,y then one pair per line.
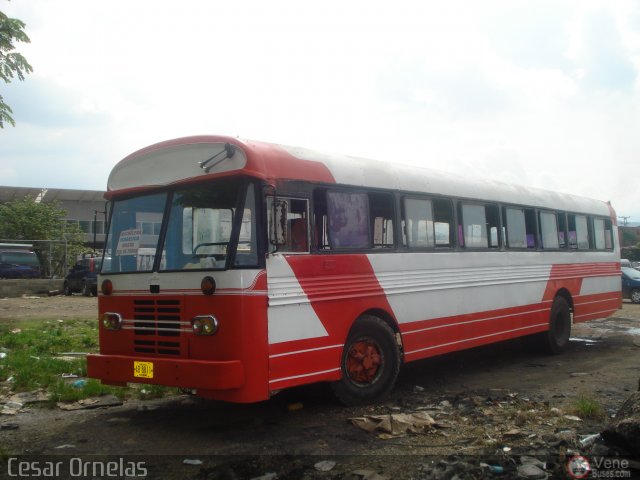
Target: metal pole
x,y
95,222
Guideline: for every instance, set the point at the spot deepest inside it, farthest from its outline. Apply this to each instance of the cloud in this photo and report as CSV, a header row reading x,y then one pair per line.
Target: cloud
x,y
37,101
531,34
606,63
537,92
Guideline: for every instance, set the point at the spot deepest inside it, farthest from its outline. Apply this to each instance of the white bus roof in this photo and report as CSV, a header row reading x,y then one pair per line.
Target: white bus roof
x,y
177,161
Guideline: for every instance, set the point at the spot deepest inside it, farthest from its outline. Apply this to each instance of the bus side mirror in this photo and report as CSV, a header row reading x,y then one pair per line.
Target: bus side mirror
x,y
278,228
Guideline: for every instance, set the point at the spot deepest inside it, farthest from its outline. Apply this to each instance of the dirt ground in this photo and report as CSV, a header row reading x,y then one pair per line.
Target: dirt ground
x,y
490,405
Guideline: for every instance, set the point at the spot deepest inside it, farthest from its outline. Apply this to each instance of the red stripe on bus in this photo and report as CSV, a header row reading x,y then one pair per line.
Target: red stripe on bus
x,y
340,288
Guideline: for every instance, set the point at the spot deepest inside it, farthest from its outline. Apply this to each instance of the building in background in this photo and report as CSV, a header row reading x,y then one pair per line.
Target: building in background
x,y
84,207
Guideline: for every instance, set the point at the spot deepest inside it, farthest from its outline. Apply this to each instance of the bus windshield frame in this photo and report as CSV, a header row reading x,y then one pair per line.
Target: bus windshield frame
x,y
195,227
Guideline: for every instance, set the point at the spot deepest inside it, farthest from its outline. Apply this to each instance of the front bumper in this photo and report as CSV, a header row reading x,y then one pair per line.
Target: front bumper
x,y
172,372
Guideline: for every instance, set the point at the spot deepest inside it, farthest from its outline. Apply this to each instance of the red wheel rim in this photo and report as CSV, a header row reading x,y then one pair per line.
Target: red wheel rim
x,y
363,361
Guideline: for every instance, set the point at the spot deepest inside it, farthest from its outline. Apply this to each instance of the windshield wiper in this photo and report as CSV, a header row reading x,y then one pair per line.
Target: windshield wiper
x,y
229,151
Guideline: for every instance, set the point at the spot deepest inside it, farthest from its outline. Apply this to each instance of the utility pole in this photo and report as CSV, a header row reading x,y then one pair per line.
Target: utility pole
x,y
624,219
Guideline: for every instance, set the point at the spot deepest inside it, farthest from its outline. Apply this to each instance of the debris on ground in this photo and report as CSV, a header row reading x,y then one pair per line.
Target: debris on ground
x,y
11,408
365,475
325,465
266,476
293,407
25,398
624,431
88,403
395,424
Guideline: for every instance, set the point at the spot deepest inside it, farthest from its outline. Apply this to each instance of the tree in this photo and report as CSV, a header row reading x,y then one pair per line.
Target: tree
x,y
28,219
12,63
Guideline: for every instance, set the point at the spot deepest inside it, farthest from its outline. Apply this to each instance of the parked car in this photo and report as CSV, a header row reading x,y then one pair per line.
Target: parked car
x,y
19,264
83,277
631,284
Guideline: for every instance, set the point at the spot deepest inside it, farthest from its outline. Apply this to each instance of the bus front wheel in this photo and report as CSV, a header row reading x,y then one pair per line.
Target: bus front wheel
x,y
370,362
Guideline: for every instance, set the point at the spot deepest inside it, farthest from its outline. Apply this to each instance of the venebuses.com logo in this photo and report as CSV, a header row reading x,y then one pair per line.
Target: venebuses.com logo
x,y
598,467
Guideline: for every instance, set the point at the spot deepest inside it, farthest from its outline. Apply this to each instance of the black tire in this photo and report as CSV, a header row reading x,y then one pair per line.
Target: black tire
x,y
94,291
557,337
555,340
370,362
67,289
635,295
86,291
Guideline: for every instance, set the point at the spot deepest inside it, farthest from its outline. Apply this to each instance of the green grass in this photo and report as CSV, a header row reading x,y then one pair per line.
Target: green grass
x,y
586,406
32,348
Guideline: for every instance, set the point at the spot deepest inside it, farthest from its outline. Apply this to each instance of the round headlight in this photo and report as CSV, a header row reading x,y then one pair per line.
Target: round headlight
x,y
204,325
112,321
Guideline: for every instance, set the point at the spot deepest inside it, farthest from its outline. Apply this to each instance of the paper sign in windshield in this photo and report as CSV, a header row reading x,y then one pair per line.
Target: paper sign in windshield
x,y
129,242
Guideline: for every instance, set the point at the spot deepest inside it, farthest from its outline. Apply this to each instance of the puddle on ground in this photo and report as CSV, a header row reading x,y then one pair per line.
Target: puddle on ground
x,y
587,341
615,325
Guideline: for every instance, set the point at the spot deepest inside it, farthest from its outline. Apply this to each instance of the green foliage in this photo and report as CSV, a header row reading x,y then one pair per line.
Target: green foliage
x,y
631,253
12,63
27,219
628,237
587,407
33,360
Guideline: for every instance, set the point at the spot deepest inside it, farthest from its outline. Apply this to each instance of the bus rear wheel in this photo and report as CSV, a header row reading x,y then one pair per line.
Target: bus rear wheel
x,y
370,362
556,339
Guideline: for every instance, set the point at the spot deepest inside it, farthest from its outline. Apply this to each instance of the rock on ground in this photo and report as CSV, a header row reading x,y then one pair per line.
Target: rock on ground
x,y
624,432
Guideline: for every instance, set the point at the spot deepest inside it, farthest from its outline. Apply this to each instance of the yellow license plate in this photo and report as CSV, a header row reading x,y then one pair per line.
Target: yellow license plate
x,y
143,369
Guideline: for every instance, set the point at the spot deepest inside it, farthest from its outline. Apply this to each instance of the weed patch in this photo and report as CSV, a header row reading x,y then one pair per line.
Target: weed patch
x,y
34,360
587,407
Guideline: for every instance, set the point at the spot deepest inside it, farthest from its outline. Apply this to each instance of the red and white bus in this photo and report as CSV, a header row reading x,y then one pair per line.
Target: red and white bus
x,y
240,268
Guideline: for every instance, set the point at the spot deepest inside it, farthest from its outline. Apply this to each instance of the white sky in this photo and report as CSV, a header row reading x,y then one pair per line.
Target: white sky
x,y
540,93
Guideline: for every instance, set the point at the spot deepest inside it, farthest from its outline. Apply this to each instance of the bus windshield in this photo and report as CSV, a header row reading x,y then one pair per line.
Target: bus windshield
x,y
198,227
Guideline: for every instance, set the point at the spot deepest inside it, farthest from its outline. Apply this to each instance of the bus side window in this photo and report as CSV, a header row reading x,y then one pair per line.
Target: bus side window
x,y
562,230
348,219
381,211
418,223
578,232
602,234
427,223
608,234
516,230
296,219
474,225
443,222
549,230
493,225
320,221
519,227
480,225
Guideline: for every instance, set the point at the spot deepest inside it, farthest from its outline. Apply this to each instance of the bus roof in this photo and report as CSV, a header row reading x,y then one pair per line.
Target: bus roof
x,y
195,158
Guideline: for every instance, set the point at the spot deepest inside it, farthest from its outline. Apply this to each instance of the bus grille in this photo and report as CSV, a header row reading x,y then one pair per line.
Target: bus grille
x,y
156,326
